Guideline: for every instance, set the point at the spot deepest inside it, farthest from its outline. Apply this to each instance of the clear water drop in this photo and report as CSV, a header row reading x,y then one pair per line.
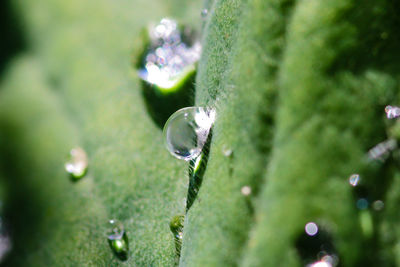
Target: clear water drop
x,y
204,13
378,205
169,60
77,164
354,179
362,203
176,226
320,263
187,130
311,228
227,151
246,190
117,239
392,112
116,230
381,151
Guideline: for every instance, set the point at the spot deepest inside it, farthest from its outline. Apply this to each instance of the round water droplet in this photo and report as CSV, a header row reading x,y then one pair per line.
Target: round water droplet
x,y
321,264
227,151
246,190
392,112
354,179
169,61
176,226
77,163
187,130
117,239
378,205
311,228
362,204
116,230
204,13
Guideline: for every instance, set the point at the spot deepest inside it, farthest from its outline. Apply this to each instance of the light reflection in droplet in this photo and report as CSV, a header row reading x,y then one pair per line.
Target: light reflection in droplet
x,y
378,205
187,130
362,203
354,179
204,13
392,112
227,151
77,163
320,264
169,59
246,190
382,150
116,230
311,228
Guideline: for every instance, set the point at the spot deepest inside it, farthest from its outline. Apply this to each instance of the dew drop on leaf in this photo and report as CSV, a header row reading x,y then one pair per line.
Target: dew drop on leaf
x,y
169,60
186,131
381,151
77,163
204,13
311,228
378,205
392,112
176,226
246,190
354,179
117,239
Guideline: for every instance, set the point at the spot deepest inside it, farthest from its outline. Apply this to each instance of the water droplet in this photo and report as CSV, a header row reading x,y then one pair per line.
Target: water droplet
x,y
378,205
382,150
116,230
311,228
187,130
176,226
204,13
246,190
354,179
77,163
118,239
227,151
362,204
320,263
169,60
392,112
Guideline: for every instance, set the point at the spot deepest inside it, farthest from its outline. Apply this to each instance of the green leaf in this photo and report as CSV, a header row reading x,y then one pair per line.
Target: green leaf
x,y
299,88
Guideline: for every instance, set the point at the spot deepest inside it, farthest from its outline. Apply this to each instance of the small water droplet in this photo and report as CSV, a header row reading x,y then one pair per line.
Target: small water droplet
x,y
311,228
246,190
378,205
118,239
116,230
392,112
204,13
176,226
354,179
186,131
320,263
227,151
169,60
77,164
362,204
381,151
